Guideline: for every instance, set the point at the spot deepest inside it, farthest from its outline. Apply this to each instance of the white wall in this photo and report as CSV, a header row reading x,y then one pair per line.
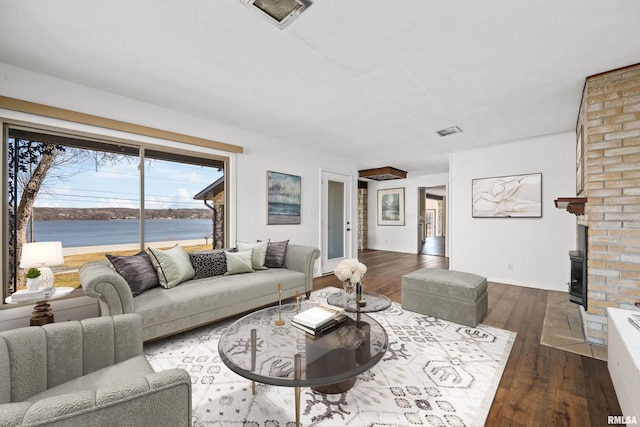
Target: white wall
x,y
400,238
537,248
271,155
248,170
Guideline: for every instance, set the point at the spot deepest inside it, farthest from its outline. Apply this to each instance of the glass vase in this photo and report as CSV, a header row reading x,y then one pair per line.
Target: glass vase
x,y
349,291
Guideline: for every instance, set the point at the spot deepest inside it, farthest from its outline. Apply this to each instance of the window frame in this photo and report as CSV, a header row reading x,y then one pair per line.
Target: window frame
x,y
134,140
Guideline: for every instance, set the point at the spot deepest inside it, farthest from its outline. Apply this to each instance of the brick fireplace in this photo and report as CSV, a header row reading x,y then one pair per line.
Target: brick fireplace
x,y
608,176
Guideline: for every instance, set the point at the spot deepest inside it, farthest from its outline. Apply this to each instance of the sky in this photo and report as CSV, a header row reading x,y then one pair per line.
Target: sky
x,y
167,185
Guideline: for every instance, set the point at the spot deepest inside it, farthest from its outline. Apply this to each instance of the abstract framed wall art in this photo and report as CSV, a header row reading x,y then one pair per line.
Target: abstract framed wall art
x,y
283,198
391,206
514,196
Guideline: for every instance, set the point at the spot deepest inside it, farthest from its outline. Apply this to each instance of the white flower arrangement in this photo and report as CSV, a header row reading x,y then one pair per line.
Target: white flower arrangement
x,y
350,270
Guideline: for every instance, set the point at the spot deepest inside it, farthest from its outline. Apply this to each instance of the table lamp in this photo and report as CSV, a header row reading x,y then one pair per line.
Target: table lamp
x,y
42,255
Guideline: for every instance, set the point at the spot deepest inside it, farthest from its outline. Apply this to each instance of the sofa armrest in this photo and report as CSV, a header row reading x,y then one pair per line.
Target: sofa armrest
x,y
104,283
302,258
160,399
12,414
36,359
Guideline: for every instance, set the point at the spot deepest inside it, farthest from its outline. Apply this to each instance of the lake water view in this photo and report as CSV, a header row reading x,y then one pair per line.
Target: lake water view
x,y
76,233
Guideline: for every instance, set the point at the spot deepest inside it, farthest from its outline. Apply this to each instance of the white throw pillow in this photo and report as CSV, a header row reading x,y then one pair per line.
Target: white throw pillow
x,y
238,262
259,253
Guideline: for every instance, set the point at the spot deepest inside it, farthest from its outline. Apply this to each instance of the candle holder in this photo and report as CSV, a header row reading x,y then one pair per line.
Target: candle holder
x,y
360,302
279,322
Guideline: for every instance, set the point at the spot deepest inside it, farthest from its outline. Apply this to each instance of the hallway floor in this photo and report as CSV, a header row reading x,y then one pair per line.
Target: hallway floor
x,y
433,246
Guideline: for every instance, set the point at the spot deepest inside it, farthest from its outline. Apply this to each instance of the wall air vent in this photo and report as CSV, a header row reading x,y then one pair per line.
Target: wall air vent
x,y
382,174
449,131
279,12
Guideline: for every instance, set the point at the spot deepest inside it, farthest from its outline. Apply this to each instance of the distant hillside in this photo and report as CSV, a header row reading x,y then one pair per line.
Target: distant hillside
x,y
48,214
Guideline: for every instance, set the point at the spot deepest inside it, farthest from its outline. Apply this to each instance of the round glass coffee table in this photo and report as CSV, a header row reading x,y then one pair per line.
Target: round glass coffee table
x,y
259,350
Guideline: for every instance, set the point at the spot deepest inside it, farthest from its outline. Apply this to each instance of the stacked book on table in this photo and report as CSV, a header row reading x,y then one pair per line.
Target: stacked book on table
x,y
27,296
319,319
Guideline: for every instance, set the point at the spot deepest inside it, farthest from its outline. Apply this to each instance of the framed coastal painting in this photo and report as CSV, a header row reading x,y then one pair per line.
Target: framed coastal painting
x,y
283,198
391,206
514,196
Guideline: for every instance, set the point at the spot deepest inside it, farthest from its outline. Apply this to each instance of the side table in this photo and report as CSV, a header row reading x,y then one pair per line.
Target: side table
x,y
374,302
42,312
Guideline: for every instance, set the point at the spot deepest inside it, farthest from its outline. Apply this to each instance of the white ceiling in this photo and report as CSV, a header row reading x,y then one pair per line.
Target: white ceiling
x,y
370,79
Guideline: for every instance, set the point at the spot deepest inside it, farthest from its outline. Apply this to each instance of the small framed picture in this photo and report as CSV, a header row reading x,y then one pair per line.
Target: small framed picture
x,y
391,206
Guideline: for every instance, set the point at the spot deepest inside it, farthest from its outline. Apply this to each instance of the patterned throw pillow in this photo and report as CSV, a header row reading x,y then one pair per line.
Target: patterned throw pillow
x,y
208,264
137,270
173,266
275,254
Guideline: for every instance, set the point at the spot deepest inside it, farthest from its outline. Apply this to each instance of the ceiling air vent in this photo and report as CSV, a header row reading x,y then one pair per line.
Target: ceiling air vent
x,y
279,12
449,131
382,174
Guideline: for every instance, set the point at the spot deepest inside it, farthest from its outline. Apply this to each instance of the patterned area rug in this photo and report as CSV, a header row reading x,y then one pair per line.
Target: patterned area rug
x,y
434,373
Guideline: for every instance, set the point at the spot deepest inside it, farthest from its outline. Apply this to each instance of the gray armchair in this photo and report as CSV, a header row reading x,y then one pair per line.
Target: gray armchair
x,y
87,373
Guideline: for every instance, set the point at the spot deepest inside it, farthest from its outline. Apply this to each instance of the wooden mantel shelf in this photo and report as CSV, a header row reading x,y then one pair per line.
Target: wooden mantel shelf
x,y
574,205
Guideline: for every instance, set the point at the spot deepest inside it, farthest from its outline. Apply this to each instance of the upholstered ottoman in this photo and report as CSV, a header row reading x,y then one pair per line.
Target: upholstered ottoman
x,y
450,295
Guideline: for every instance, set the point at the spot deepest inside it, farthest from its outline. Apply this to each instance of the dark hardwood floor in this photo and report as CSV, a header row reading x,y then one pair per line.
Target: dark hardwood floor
x,y
541,386
434,246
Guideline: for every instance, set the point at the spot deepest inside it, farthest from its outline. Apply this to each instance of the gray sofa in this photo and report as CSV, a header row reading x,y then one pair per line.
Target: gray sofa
x,y
87,373
200,301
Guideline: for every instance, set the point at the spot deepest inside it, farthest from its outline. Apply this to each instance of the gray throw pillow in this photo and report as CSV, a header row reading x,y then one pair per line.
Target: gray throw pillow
x,y
137,270
275,254
208,264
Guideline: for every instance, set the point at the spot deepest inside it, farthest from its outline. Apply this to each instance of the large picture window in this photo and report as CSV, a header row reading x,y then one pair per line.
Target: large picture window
x,y
99,196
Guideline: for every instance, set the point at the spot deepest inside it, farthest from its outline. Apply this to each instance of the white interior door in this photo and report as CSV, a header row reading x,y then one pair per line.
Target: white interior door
x,y
336,219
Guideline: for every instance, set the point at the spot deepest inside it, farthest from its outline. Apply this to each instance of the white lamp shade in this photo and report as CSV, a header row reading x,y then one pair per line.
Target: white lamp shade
x,y
41,254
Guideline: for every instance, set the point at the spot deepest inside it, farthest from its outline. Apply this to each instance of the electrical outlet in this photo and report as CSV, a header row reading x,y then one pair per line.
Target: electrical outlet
x,y
510,266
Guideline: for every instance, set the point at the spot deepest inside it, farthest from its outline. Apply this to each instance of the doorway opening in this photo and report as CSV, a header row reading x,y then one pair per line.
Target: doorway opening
x,y
432,225
336,219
